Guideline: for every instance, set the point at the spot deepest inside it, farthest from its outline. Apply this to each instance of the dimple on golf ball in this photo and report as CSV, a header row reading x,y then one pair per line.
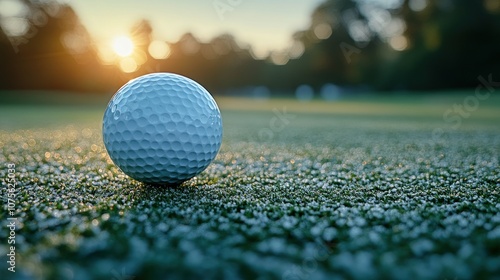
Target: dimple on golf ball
x,y
162,128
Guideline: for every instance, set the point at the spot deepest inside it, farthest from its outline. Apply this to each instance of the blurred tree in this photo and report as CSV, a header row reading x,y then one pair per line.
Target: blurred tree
x,y
409,44
55,52
219,64
7,53
417,45
336,51
450,43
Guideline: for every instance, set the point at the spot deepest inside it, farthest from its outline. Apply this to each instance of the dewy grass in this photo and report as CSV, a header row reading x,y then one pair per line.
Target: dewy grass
x,y
324,196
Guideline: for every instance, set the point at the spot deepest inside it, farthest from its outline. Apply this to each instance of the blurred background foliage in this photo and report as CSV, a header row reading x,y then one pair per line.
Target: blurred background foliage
x,y
353,45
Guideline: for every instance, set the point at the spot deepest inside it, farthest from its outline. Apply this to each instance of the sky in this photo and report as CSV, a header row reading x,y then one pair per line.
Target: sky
x,y
264,24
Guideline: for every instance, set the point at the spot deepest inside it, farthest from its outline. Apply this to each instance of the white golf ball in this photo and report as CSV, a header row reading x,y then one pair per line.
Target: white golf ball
x,y
162,128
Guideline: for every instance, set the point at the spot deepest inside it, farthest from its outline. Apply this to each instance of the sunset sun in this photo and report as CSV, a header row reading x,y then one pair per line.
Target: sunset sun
x,y
123,46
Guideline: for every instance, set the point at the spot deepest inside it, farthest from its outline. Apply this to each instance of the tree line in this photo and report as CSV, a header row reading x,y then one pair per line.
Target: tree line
x,y
412,45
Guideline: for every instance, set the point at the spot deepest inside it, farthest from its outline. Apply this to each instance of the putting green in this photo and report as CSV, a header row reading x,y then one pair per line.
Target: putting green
x,y
358,189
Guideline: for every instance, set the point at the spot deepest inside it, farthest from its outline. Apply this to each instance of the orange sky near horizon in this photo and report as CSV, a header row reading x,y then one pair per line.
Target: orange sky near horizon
x,y
265,25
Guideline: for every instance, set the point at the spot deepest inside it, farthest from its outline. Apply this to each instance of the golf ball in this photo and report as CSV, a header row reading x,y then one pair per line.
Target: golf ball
x,y
162,128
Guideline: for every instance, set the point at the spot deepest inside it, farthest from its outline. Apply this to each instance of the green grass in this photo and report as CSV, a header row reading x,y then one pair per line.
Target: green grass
x,y
357,189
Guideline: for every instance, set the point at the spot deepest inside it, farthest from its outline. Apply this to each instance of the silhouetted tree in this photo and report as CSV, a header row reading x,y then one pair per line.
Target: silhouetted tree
x,y
56,52
448,44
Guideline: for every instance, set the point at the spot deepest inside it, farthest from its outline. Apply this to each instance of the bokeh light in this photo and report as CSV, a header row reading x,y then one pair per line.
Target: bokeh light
x,y
279,58
74,42
304,93
128,65
330,92
296,50
159,49
15,26
492,6
399,43
12,8
323,31
417,5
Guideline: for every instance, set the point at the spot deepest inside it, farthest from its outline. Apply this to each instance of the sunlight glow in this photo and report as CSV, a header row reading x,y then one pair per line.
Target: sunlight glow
x,y
123,46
